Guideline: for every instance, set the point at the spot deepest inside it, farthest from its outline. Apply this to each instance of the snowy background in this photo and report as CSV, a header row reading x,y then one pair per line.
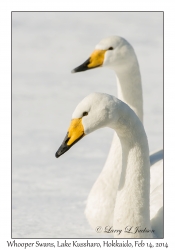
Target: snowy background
x,y
49,194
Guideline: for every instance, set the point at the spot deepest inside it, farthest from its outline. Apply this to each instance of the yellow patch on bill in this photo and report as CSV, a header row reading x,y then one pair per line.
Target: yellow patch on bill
x,y
75,130
96,58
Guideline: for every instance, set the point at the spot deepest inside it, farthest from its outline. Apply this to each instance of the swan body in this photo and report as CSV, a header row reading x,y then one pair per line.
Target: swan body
x,y
132,209
117,54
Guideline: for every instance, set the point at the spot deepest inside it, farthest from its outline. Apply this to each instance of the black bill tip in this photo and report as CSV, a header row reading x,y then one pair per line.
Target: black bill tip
x,y
63,148
82,67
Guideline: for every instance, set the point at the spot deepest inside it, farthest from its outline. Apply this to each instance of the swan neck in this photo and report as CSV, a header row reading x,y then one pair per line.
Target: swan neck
x,y
132,206
129,85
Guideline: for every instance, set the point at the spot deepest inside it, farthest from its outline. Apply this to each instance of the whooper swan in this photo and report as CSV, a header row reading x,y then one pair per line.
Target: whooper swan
x,y
132,209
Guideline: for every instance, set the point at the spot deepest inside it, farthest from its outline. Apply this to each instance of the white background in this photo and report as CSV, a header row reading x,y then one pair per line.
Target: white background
x,y
45,47
54,181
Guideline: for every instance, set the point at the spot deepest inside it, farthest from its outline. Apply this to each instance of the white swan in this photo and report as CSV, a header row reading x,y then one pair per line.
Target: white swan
x,y
132,210
117,54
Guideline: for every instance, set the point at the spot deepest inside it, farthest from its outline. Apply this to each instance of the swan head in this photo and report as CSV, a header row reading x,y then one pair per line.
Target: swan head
x,y
110,52
95,111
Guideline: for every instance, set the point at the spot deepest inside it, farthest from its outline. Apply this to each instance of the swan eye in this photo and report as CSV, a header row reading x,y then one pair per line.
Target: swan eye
x,y
110,48
85,113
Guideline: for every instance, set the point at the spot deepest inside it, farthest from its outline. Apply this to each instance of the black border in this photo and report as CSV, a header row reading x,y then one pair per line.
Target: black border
x,y
163,138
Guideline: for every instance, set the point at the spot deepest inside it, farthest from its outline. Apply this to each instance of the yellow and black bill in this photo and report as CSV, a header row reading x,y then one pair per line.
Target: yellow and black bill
x,y
95,60
65,147
74,134
82,67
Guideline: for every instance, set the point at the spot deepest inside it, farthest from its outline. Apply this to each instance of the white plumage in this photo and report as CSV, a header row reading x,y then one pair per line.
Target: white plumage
x,y
117,54
134,202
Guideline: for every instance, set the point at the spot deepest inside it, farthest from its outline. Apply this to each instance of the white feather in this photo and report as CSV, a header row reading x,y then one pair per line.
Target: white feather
x,y
136,201
123,60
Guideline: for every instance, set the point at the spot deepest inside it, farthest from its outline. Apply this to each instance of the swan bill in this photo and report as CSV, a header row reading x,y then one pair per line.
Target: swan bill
x,y
74,134
96,60
82,67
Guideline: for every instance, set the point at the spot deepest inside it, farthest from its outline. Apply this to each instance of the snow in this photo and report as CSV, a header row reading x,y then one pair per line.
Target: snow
x,y
49,194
